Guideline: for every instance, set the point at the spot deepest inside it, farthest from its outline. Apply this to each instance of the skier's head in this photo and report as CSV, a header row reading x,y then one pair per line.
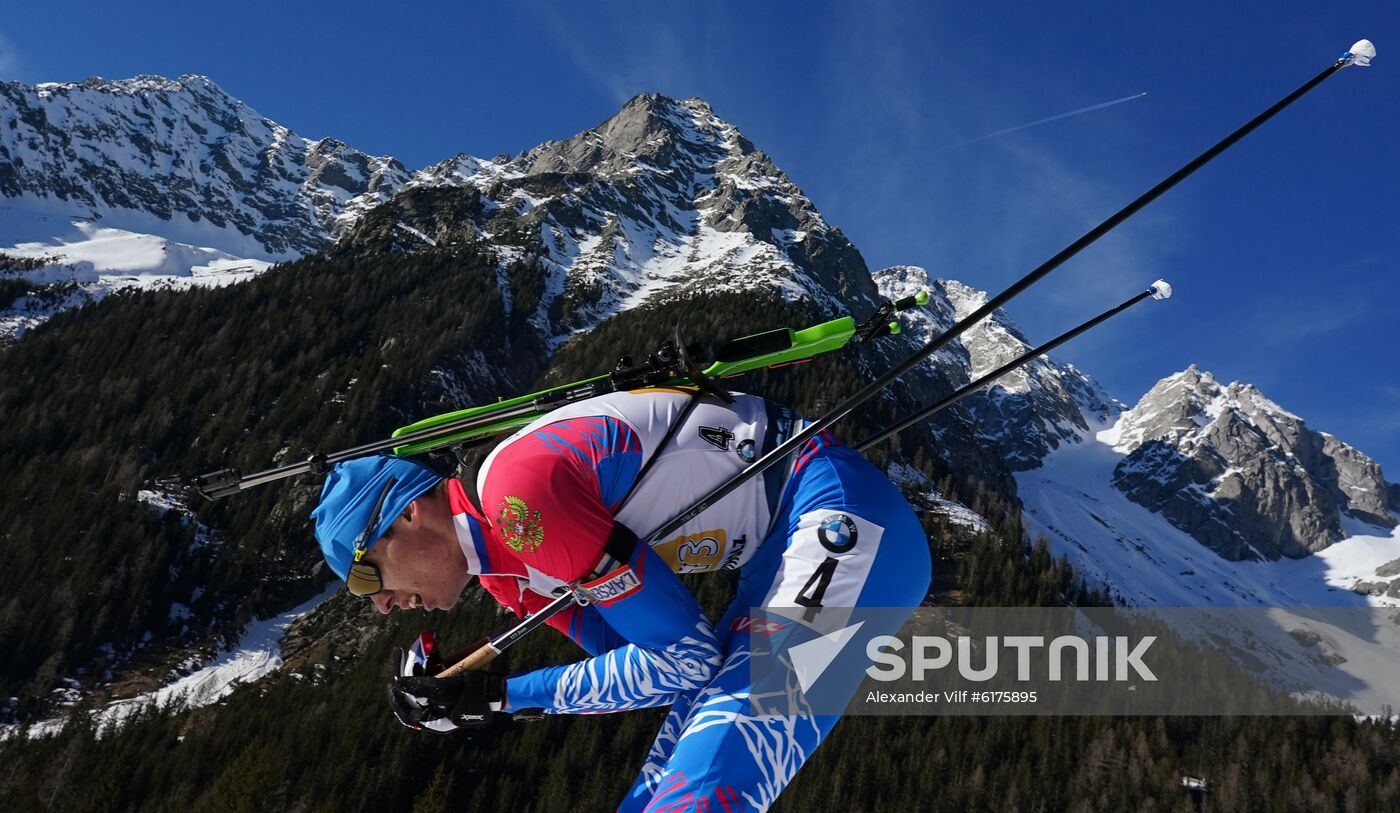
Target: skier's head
x,y
385,526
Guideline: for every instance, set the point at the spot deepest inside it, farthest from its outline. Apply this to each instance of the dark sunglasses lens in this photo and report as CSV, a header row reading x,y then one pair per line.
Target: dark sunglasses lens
x,y
363,579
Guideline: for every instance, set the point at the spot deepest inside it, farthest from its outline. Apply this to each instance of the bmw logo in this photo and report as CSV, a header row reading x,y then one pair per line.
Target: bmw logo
x,y
837,533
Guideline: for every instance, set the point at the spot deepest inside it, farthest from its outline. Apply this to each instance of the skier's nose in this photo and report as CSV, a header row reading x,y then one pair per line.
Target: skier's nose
x,y
383,601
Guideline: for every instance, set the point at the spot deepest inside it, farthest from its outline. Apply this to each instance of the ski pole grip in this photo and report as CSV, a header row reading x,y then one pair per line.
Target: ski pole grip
x,y
475,661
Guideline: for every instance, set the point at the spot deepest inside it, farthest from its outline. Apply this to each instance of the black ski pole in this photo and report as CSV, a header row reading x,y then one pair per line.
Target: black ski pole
x,y
1361,54
1159,290
488,652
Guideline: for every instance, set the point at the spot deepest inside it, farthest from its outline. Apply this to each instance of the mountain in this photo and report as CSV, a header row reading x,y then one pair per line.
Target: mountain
x,y
1246,477
182,159
1211,494
660,202
1026,414
149,181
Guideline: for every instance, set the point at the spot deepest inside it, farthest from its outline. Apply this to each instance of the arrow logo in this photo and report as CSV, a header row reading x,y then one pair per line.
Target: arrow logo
x,y
811,658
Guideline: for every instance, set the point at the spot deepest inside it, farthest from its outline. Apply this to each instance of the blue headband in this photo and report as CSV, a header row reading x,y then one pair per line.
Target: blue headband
x,y
349,496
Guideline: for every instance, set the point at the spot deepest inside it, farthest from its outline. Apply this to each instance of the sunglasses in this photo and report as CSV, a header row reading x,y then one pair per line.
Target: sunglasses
x,y
363,578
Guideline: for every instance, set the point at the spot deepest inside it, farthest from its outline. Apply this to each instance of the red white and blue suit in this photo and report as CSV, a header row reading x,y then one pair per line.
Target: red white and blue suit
x,y
827,529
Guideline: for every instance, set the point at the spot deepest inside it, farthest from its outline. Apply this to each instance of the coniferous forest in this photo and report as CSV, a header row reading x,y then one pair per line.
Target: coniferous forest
x,y
144,391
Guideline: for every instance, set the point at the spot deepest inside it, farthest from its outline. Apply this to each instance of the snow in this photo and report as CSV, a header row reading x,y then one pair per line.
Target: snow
x,y
1109,538
256,655
416,233
164,501
912,480
35,219
1148,562
101,259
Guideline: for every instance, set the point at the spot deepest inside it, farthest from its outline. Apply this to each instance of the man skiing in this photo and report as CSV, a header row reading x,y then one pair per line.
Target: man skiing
x,y
563,502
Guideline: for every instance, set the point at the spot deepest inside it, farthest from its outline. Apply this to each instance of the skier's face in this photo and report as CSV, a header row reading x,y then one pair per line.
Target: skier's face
x,y
419,560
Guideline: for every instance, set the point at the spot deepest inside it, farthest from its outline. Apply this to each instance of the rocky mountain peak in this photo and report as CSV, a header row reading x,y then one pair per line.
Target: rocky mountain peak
x,y
1028,413
654,134
1242,474
184,160
142,84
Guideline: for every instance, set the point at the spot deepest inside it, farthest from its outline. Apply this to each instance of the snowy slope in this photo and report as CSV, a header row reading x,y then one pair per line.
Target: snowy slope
x,y
82,260
1147,561
1109,538
256,655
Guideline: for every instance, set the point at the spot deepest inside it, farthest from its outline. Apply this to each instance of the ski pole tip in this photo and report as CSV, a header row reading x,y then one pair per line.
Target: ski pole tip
x,y
1161,290
1360,54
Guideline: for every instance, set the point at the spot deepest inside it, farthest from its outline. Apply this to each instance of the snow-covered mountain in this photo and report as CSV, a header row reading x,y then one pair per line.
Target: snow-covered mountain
x,y
105,185
1137,505
1024,415
182,159
663,200
1211,494
1241,474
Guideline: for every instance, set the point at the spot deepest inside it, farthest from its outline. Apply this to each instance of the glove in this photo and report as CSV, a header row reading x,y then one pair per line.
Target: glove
x,y
421,701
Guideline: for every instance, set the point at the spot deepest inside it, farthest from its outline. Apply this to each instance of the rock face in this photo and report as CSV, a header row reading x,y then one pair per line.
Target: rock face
x,y
659,201
1240,473
1022,416
187,154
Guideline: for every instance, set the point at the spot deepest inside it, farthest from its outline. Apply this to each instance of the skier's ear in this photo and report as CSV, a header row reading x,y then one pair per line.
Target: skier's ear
x,y
412,515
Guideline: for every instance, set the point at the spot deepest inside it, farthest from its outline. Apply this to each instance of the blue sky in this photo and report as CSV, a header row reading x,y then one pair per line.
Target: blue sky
x,y
1283,252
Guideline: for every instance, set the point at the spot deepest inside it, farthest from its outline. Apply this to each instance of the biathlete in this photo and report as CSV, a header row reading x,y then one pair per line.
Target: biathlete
x,y
564,501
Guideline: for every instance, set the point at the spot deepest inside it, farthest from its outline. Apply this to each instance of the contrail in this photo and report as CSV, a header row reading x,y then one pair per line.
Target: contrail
x,y
1088,109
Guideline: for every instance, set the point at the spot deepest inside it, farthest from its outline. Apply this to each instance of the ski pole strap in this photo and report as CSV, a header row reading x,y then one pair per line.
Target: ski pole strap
x,y
880,324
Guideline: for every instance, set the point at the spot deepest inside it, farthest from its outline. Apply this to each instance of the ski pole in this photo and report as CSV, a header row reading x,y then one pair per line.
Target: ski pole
x,y
491,649
1159,290
1360,54
494,647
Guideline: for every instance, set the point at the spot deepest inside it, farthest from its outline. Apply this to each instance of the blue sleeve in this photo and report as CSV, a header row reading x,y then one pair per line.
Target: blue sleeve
x,y
668,646
590,631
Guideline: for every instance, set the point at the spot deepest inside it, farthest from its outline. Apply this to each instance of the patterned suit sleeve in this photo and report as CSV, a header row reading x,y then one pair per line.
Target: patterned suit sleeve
x,y
551,495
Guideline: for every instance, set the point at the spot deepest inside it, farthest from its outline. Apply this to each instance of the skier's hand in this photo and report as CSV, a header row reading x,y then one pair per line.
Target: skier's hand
x,y
469,700
419,700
